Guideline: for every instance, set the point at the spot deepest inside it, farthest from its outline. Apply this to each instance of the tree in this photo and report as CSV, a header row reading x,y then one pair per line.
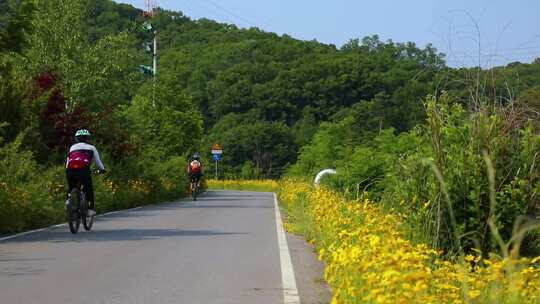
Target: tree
x,y
14,24
90,74
268,146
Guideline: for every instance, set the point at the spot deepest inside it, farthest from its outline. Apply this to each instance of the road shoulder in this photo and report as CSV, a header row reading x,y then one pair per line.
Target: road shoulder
x,y
309,271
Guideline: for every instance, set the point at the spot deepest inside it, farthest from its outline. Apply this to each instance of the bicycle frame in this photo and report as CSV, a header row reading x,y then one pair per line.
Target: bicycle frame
x,y
79,211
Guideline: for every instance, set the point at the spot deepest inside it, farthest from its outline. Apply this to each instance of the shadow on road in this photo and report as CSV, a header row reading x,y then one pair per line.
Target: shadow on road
x,y
9,259
227,206
60,235
125,215
208,200
20,271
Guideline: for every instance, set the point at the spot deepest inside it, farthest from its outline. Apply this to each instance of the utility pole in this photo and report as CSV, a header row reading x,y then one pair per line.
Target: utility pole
x,y
149,13
154,69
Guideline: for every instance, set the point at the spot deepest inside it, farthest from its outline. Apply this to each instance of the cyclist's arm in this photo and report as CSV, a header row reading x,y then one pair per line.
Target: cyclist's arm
x,y
97,160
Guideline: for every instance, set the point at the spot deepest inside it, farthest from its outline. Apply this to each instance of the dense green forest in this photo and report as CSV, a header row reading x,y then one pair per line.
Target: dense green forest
x,y
263,96
393,118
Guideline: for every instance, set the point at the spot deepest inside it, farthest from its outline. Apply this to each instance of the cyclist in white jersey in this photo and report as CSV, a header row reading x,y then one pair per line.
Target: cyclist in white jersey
x,y
78,164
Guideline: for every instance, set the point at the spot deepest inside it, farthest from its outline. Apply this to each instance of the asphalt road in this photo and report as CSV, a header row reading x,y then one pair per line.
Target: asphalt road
x,y
220,249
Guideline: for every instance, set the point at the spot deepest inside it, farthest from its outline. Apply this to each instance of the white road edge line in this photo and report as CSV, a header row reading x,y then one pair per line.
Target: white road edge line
x,y
290,292
60,225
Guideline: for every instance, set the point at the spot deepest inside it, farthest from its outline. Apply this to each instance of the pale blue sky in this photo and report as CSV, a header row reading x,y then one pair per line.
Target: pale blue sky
x,y
509,30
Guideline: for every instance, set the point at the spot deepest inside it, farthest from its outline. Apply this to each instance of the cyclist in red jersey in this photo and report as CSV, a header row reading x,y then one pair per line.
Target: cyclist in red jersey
x,y
78,164
195,169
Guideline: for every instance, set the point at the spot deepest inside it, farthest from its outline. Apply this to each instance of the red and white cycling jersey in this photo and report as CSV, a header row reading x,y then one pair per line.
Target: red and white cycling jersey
x,y
195,167
80,157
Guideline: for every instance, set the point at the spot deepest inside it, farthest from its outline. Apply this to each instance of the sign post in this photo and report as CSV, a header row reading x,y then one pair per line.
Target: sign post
x,y
216,153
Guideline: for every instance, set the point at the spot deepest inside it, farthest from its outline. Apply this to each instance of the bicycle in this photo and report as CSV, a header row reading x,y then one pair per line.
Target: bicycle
x,y
77,209
194,188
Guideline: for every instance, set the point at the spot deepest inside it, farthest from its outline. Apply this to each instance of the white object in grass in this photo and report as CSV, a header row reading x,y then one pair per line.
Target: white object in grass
x,y
321,174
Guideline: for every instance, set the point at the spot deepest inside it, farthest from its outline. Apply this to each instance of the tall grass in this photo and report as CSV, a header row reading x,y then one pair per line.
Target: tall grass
x,y
468,149
437,175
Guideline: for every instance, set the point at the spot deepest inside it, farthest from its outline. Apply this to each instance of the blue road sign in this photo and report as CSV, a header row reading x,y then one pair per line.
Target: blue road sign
x,y
217,156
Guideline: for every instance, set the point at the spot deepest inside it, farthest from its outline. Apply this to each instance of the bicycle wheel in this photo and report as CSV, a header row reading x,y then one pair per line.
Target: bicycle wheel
x,y
87,220
73,217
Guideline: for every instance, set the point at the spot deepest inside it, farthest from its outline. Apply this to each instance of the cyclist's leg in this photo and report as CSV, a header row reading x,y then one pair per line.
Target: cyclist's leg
x,y
192,180
86,179
198,179
71,184
73,178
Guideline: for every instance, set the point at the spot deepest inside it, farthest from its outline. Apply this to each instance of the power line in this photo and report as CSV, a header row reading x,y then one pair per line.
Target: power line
x,y
230,13
495,54
193,8
215,12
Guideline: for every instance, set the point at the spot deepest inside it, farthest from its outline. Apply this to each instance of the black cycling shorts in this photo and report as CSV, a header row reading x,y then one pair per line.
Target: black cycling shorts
x,y
84,177
195,177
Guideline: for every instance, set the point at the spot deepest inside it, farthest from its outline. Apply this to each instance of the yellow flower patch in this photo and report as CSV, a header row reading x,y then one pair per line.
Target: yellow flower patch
x,y
140,186
369,260
254,185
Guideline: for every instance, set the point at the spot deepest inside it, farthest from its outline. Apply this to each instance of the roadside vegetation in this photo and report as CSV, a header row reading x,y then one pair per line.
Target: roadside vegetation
x,y
454,177
444,213
249,185
55,79
369,258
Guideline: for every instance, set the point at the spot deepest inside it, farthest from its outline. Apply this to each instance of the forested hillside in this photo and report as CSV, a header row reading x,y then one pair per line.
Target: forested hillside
x,y
373,109
261,95
264,96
